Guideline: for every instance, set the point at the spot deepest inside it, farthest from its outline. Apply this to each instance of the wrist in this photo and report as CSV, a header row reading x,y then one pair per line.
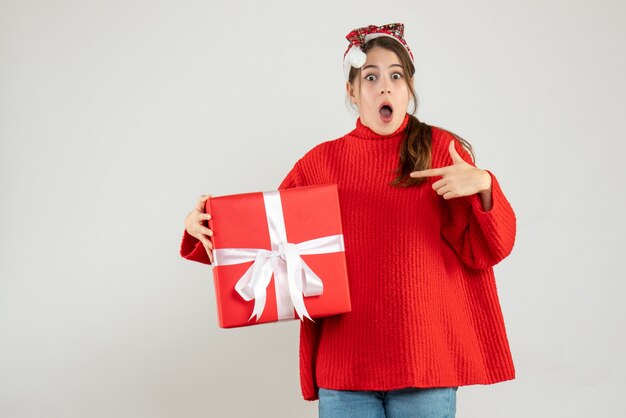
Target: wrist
x,y
487,182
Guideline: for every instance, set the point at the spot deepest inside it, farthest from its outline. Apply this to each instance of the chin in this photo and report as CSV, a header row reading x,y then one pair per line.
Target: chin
x,y
391,127
383,128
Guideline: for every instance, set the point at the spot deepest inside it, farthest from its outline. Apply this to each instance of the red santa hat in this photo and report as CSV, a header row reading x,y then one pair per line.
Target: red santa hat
x,y
354,55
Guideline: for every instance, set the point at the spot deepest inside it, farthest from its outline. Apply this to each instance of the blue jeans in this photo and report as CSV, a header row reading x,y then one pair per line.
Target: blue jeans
x,y
400,403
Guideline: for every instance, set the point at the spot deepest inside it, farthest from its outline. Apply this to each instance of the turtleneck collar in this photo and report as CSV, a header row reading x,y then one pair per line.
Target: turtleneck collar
x,y
364,132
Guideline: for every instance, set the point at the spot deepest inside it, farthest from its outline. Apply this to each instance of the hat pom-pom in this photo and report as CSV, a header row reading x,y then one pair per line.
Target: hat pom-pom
x,y
356,57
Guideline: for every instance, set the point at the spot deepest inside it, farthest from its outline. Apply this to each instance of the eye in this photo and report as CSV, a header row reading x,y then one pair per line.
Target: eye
x,y
399,76
367,77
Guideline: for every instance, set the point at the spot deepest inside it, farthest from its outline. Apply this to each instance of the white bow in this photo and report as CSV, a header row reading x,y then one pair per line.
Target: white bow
x,y
293,278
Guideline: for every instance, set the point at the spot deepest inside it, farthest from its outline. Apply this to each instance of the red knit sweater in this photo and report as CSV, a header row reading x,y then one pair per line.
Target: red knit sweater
x,y
425,309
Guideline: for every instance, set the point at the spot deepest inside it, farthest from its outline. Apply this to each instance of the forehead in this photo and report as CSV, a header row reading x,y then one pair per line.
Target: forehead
x,y
381,56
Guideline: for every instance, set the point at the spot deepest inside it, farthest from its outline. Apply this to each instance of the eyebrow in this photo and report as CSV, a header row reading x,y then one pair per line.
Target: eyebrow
x,y
374,66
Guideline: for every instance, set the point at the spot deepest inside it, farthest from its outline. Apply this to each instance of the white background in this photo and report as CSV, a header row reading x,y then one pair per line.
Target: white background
x,y
116,115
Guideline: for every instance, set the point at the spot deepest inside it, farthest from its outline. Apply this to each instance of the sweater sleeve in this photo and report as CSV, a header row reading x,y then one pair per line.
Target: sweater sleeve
x,y
481,238
192,249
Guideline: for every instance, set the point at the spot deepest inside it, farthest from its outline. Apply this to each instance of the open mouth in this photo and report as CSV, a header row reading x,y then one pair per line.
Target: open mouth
x,y
385,112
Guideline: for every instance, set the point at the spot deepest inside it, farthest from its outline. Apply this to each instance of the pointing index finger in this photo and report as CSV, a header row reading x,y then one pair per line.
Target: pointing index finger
x,y
431,172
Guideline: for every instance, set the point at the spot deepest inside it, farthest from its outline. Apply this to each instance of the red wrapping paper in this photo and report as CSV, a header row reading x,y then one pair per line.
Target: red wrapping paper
x,y
240,221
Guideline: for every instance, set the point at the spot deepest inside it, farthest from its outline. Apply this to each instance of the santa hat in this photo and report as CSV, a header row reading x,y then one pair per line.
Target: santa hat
x,y
354,55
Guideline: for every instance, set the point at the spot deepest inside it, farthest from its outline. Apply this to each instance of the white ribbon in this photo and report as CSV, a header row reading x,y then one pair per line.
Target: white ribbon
x,y
293,278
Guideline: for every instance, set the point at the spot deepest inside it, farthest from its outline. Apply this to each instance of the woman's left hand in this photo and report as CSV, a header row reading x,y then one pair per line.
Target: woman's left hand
x,y
458,179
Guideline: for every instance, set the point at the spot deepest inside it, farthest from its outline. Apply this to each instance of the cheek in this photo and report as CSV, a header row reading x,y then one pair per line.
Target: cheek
x,y
370,97
406,96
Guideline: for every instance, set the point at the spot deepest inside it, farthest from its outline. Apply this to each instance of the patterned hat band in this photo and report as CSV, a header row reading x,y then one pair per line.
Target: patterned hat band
x,y
354,55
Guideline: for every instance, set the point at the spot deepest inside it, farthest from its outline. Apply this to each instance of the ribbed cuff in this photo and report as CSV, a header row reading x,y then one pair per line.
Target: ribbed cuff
x,y
192,249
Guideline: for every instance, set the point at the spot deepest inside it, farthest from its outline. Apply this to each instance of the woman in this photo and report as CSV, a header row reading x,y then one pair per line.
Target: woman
x,y
423,227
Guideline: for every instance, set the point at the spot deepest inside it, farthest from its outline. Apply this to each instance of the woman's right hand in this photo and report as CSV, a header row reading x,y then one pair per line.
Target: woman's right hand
x,y
194,224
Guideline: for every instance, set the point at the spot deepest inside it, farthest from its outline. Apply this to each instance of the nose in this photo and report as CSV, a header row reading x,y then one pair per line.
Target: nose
x,y
385,88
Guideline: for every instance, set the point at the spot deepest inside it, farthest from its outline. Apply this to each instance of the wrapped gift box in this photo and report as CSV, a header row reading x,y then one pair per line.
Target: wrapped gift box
x,y
278,256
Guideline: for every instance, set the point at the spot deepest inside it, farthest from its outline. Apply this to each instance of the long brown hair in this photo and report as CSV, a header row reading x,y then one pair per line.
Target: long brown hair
x,y
415,150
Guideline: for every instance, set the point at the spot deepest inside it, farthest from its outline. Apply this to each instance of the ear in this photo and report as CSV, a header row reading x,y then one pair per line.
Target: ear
x,y
350,91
